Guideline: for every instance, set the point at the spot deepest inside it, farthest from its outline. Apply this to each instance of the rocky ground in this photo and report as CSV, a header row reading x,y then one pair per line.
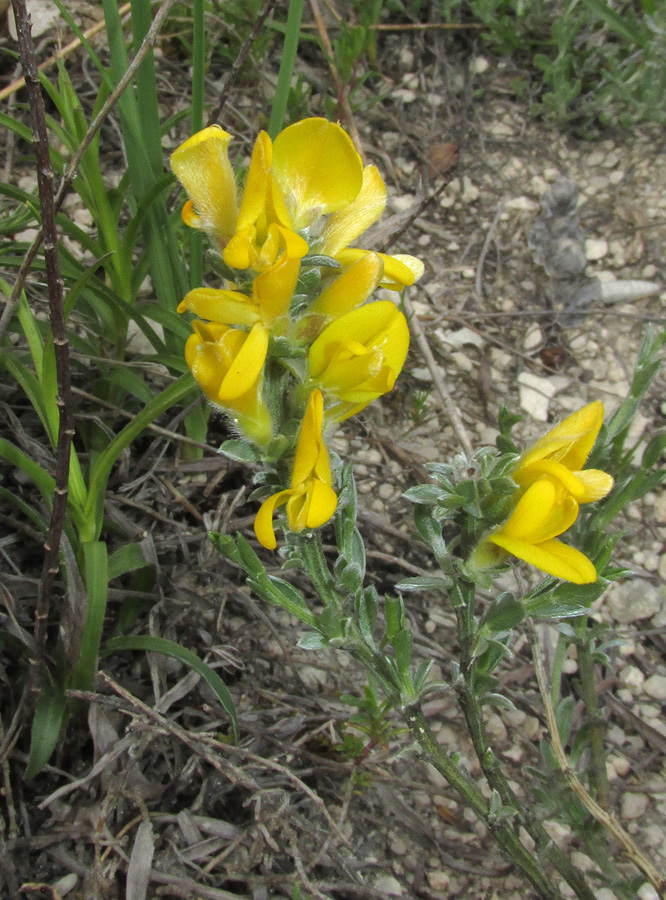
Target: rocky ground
x,y
154,781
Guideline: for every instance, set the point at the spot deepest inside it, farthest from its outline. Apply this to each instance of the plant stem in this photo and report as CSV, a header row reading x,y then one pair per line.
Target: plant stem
x,y
489,764
597,769
50,567
501,832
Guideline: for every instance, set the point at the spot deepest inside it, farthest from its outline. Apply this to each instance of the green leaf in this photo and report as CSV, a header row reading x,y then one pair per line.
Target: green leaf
x,y
97,584
47,724
394,614
564,716
128,558
424,583
240,451
312,640
653,451
425,494
176,651
504,613
402,647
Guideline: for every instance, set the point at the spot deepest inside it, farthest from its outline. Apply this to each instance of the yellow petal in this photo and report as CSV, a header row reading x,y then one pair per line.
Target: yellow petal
x,y
596,483
226,307
321,504
376,325
316,169
399,271
202,166
263,522
544,511
246,367
275,287
350,289
241,251
345,226
253,204
568,480
552,556
569,442
310,441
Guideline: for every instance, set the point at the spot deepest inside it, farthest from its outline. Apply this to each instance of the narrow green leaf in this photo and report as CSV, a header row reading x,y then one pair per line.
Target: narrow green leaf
x,y
46,727
97,583
177,651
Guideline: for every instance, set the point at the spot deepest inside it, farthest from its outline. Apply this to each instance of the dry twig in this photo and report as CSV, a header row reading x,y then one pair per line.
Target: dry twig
x,y
605,818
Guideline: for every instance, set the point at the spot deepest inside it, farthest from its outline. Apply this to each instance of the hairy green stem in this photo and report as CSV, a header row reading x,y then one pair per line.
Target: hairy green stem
x,y
501,832
597,769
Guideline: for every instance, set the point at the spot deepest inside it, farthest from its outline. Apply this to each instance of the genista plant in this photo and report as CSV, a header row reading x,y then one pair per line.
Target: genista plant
x,y
288,343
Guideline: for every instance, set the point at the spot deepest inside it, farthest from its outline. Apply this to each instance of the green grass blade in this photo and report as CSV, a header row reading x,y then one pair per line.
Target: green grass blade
x,y
196,124
97,583
188,657
287,62
126,559
47,724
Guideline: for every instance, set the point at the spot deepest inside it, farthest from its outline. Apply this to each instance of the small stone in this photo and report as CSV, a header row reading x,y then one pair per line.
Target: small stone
x,y
533,338
398,846
535,393
387,884
521,204
478,65
655,687
632,677
470,192
633,601
438,880
462,361
402,203
634,805
605,894
595,248
460,337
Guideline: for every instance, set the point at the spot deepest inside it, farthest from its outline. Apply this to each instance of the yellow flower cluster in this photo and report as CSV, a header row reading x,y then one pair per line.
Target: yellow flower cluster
x,y
552,484
297,284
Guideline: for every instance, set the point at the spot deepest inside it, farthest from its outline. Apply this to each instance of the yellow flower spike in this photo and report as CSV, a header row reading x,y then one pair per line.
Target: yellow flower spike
x,y
357,370
545,511
350,289
228,366
562,454
349,223
202,166
316,170
311,500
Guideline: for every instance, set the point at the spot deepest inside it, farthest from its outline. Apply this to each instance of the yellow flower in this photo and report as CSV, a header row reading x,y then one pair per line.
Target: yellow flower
x,y
358,357
272,292
561,454
262,231
228,365
311,500
544,511
202,166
